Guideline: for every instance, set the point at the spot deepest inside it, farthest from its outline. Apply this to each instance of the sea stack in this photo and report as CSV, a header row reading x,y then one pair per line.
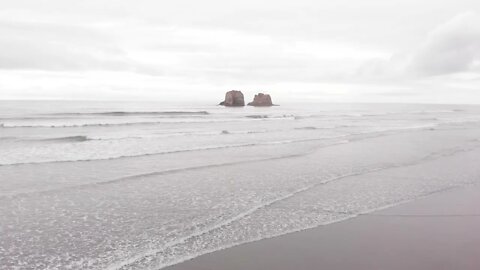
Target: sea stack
x,y
261,99
233,98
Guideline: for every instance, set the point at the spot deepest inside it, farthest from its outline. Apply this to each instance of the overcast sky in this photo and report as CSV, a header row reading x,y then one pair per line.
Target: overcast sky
x,y
339,51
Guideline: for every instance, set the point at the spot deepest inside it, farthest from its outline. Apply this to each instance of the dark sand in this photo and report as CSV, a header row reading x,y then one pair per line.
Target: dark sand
x,y
441,231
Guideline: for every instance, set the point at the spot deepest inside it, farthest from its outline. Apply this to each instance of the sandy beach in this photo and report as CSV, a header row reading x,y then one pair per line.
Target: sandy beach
x,y
439,231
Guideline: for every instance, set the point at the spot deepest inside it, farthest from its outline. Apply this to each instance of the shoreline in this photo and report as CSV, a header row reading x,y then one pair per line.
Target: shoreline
x,y
438,231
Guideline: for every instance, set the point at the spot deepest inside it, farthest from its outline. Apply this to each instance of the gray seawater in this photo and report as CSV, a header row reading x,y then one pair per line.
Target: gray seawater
x,y
117,185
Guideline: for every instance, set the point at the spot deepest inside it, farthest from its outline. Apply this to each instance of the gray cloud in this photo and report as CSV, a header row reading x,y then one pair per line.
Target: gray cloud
x,y
48,46
452,47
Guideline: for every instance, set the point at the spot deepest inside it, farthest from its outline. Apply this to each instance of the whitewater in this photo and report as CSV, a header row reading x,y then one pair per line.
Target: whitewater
x,y
145,185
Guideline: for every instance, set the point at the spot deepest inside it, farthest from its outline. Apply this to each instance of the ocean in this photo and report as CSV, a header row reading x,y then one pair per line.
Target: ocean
x,y
144,185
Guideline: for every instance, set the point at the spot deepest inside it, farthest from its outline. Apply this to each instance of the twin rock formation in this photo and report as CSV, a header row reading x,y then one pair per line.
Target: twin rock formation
x,y
235,98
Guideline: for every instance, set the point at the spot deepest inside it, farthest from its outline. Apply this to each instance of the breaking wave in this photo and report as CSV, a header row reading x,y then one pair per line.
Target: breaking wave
x,y
138,113
79,138
62,125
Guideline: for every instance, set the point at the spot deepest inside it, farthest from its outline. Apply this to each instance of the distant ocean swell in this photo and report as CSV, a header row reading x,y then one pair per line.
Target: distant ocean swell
x,y
132,123
180,117
66,139
213,147
84,138
132,113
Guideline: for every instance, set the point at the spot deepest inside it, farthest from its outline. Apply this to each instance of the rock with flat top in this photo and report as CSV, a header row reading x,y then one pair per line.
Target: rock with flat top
x,y
233,98
261,99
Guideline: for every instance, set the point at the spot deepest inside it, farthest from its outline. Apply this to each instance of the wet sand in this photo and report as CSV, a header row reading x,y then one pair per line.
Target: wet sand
x,y
440,231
